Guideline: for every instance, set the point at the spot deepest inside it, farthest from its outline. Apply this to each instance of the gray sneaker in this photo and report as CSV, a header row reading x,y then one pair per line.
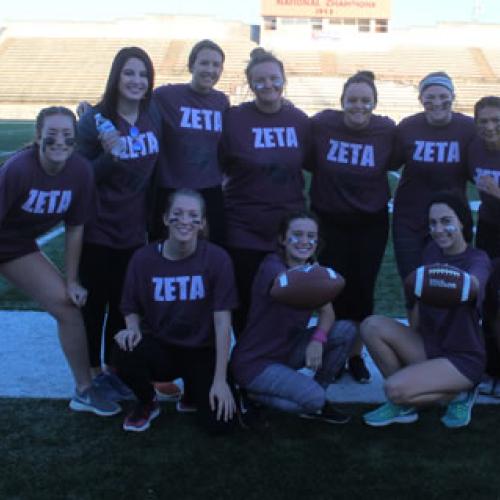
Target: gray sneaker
x,y
111,388
90,400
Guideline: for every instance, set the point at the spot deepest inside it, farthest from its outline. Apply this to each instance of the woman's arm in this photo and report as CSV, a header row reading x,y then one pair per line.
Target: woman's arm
x,y
314,350
220,396
73,247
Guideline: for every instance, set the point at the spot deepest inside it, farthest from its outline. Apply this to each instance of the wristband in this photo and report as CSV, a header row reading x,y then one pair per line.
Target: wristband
x,y
320,335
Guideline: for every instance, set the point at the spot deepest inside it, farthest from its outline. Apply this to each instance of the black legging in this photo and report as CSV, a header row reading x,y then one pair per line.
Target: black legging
x,y
153,359
354,246
102,273
246,264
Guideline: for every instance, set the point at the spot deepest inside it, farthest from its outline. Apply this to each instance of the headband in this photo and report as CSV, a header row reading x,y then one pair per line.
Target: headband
x,y
443,81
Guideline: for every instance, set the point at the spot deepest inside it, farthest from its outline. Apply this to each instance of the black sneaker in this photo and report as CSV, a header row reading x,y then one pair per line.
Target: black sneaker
x,y
328,414
358,370
251,415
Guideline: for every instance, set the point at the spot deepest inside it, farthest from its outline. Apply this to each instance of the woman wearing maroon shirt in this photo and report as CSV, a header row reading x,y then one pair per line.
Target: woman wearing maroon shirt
x,y
262,150
124,160
41,186
484,167
349,191
432,146
441,357
276,341
192,125
177,304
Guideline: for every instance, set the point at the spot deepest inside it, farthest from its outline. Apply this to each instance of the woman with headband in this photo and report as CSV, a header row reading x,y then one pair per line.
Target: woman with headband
x,y
124,160
440,358
484,167
349,191
262,151
432,146
41,186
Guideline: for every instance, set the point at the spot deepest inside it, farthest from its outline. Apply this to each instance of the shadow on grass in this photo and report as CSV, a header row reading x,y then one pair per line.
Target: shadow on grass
x,y
47,452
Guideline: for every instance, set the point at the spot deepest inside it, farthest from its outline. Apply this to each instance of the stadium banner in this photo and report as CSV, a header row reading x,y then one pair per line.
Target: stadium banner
x,y
373,9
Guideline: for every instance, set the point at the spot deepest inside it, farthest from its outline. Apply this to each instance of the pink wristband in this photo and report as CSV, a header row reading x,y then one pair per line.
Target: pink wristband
x,y
320,335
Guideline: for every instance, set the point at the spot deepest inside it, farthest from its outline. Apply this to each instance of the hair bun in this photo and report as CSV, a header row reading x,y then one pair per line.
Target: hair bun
x,y
257,53
365,73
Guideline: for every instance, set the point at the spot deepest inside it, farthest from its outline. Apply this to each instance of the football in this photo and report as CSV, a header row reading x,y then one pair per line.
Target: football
x,y
441,285
307,287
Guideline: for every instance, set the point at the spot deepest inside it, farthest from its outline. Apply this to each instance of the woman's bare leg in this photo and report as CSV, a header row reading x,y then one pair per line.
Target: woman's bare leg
x,y
40,279
391,344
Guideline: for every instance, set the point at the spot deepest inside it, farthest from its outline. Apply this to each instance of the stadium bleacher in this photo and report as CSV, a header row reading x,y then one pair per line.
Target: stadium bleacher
x,y
40,70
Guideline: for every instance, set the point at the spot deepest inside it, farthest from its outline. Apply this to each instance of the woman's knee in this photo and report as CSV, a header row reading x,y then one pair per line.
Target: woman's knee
x,y
315,399
372,327
63,311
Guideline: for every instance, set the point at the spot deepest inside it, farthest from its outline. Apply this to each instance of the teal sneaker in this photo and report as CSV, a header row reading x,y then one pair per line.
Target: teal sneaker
x,y
458,413
389,413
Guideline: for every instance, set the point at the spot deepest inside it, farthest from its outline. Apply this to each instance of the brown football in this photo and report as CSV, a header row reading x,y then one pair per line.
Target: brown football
x,y
441,285
307,287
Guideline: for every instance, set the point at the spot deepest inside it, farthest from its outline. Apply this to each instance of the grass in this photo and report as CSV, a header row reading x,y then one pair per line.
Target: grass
x,y
47,452
13,135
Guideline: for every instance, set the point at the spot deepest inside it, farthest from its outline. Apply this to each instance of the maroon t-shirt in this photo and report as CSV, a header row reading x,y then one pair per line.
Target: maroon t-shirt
x,y
33,201
122,186
192,126
350,166
176,299
268,337
456,331
483,161
434,159
262,156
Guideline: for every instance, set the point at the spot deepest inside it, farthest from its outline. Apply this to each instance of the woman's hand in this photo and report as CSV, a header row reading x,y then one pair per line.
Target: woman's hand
x,y
221,399
127,339
76,293
487,184
82,108
109,140
314,355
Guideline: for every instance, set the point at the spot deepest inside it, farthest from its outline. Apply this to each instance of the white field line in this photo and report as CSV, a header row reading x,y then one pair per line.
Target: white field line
x,y
50,236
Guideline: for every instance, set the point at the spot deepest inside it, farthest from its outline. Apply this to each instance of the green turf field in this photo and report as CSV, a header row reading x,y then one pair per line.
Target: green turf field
x,y
13,135
49,453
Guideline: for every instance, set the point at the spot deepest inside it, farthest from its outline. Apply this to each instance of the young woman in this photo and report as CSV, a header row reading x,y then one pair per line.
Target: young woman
x,y
124,160
276,341
441,357
192,114
484,167
432,146
41,186
263,150
177,304
349,191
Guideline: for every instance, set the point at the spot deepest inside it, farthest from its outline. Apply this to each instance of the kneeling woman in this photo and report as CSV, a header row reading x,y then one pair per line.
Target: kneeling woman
x,y
177,299
442,357
276,341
